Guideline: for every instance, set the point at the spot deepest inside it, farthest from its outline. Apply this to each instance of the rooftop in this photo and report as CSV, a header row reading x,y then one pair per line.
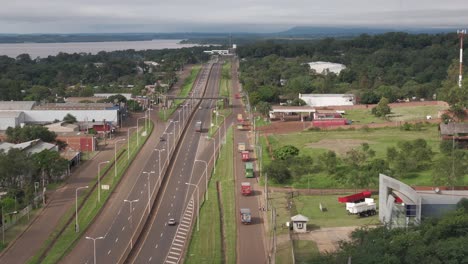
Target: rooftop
x,y
16,105
74,106
453,128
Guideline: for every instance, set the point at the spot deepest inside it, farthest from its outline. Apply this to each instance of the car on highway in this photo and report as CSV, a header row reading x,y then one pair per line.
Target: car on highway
x,y
171,221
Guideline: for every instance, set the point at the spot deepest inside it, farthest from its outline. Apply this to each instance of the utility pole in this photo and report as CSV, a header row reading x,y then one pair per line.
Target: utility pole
x,y
461,34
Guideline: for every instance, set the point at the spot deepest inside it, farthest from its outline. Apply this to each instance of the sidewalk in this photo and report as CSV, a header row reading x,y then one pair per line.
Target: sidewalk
x,y
31,240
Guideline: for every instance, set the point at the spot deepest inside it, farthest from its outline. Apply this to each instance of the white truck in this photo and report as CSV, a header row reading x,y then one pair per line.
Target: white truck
x,y
366,208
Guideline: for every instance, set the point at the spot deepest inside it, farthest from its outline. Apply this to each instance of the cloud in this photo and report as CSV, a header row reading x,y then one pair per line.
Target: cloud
x,y
29,16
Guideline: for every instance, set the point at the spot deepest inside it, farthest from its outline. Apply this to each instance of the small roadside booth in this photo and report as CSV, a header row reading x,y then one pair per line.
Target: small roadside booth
x,y
299,223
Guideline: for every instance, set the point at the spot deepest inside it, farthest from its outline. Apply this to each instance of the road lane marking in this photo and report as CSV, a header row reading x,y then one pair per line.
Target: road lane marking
x,y
156,246
123,228
161,235
149,260
172,205
179,245
170,262
178,249
108,252
180,241
117,239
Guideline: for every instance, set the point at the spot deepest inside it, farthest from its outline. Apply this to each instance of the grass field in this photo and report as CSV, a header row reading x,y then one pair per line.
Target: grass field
x,y
90,209
406,113
205,245
314,143
304,250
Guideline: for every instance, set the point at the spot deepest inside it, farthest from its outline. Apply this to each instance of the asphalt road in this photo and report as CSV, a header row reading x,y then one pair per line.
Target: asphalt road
x,y
161,243
250,238
118,221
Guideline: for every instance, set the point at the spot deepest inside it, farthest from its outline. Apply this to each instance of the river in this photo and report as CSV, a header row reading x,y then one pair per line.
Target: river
x,y
45,49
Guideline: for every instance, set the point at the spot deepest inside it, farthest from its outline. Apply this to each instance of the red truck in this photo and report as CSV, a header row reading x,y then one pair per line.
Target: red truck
x,y
245,155
246,188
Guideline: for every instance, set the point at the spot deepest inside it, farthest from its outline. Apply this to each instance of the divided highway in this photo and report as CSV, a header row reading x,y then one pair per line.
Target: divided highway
x,y
115,227
159,242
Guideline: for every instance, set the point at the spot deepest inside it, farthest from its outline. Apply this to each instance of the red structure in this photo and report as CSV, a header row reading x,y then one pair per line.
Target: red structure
x,y
355,197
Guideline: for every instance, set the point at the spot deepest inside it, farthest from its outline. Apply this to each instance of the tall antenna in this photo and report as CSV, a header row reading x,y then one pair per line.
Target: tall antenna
x,y
461,34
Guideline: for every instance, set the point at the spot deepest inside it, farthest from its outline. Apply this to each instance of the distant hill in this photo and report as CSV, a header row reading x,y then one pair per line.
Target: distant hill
x,y
316,32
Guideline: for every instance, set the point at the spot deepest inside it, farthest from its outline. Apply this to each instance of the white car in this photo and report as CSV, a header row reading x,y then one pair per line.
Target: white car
x,y
171,221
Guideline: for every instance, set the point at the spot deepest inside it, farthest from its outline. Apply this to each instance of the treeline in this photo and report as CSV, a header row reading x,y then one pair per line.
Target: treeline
x,y
359,168
19,170
391,65
26,78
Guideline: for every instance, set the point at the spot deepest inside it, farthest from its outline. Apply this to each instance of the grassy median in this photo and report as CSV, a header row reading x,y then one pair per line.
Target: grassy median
x,y
67,240
205,245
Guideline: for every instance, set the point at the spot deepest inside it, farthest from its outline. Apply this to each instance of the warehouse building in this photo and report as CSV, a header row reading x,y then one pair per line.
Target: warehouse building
x,y
14,114
401,205
320,100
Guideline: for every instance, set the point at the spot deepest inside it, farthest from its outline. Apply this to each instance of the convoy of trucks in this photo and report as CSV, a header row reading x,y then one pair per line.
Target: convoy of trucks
x,y
246,188
246,217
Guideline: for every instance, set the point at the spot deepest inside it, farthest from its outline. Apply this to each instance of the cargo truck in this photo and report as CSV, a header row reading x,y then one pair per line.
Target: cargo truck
x,y
366,208
245,188
241,146
246,217
245,155
198,126
249,171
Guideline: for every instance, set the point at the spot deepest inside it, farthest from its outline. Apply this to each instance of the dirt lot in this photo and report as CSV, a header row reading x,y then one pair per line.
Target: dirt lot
x,y
340,146
327,238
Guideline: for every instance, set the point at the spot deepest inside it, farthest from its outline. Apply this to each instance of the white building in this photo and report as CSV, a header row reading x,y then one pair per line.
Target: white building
x,y
13,114
318,100
321,67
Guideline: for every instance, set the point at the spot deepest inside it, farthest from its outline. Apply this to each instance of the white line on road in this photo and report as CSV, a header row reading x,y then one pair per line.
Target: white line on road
x,y
178,245
108,252
123,228
149,260
161,235
117,239
156,246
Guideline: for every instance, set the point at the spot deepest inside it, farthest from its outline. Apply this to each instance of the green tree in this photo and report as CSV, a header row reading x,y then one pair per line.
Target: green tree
x,y
278,171
285,152
382,109
450,170
50,164
329,161
69,119
263,108
29,132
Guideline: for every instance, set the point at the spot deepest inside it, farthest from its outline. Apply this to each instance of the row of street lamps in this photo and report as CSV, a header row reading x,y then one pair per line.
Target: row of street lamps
x,y
169,149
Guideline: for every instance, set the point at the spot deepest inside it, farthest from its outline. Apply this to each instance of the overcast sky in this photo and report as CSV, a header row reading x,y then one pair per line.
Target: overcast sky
x,y
89,16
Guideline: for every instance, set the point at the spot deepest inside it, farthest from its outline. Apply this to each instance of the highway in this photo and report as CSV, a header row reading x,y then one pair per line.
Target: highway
x,y
159,242
127,207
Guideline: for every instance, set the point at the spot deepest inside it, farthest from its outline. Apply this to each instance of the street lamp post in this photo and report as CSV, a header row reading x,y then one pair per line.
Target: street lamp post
x,y
159,164
94,245
3,224
214,152
138,132
149,190
130,219
77,226
128,141
168,141
178,128
198,205
115,155
206,179
99,178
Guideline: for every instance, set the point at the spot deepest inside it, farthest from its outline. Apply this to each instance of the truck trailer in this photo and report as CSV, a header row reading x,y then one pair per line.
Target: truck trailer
x,y
246,188
366,208
198,126
245,216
